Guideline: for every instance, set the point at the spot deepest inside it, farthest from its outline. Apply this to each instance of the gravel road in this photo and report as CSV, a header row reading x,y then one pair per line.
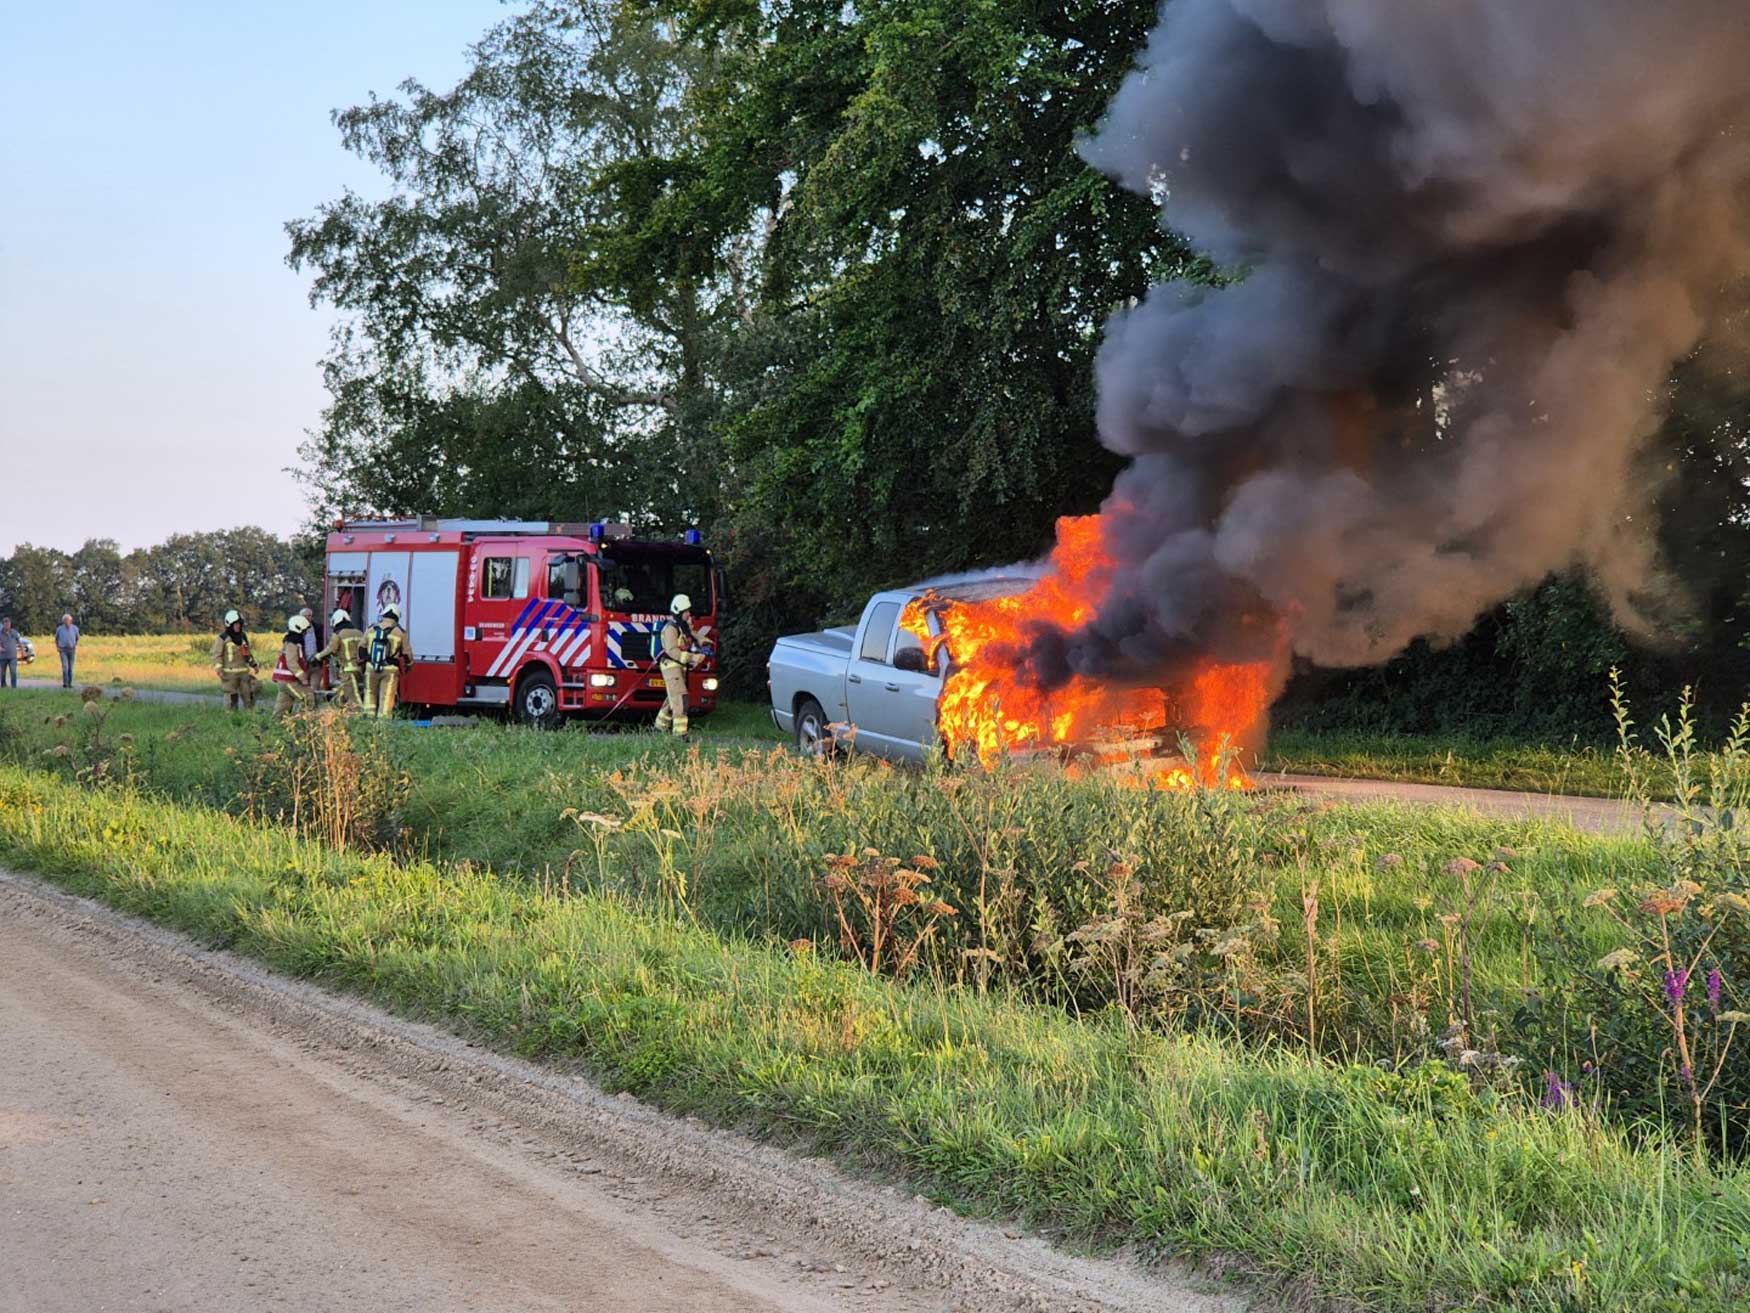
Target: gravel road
x,y
180,1130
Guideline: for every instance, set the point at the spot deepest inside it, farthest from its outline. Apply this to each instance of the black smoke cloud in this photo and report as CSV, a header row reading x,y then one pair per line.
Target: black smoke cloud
x,y
1470,239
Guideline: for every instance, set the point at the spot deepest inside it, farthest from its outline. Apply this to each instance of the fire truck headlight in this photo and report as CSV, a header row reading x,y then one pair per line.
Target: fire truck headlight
x,y
709,684
601,681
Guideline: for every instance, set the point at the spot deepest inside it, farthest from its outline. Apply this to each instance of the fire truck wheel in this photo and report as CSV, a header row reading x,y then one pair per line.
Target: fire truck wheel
x,y
813,738
537,701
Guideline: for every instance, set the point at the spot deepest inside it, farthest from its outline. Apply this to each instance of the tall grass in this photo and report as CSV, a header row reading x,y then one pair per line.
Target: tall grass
x,y
1371,1189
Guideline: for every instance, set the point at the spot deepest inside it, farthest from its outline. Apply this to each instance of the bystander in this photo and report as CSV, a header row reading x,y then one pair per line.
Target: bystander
x,y
67,643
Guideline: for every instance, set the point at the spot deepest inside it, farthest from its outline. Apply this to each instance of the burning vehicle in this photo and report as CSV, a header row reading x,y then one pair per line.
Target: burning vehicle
x,y
946,665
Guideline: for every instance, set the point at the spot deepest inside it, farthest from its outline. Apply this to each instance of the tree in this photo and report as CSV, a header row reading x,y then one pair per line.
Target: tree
x,y
921,267
37,588
103,591
487,361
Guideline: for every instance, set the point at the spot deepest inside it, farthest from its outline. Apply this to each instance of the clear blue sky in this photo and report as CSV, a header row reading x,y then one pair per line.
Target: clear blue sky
x,y
158,360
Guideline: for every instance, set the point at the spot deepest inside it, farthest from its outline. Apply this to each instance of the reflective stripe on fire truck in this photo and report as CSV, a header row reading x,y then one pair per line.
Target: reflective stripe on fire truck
x,y
618,628
570,642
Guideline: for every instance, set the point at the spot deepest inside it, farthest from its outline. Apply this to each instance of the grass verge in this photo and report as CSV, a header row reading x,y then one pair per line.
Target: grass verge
x,y
1353,1185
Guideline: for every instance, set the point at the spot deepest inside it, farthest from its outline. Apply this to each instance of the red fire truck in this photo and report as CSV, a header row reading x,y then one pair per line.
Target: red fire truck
x,y
542,619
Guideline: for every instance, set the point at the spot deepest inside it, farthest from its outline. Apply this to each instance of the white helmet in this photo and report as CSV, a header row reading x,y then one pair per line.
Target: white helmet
x,y
391,612
232,618
681,603
340,617
297,624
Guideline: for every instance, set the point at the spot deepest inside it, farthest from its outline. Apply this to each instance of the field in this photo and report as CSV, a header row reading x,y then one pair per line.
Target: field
x,y
1374,1044
180,663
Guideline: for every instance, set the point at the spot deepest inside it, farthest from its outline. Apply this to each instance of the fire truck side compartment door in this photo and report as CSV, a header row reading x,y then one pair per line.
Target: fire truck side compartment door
x,y
431,606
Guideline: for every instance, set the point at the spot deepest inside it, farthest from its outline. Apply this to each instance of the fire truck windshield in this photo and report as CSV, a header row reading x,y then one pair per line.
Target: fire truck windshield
x,y
642,580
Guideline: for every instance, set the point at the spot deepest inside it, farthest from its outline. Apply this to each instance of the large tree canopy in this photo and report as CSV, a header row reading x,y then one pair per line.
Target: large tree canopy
x,y
828,280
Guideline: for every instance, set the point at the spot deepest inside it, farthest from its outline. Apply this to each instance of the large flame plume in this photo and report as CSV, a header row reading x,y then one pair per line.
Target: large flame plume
x,y
990,708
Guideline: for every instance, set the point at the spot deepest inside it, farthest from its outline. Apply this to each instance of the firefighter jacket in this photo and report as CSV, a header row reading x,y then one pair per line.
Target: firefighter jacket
x,y
677,647
291,668
386,647
345,645
231,654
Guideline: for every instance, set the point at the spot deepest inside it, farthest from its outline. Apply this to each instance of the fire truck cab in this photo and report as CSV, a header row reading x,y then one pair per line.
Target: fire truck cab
x,y
542,619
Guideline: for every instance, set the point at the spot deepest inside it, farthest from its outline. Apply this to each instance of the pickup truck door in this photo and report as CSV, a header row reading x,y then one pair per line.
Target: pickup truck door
x,y
894,710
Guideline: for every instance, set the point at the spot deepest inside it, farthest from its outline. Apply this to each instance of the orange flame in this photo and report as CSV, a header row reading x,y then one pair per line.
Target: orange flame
x,y
986,706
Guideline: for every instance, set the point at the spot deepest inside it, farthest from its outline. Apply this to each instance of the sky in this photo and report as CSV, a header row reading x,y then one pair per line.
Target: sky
x,y
159,362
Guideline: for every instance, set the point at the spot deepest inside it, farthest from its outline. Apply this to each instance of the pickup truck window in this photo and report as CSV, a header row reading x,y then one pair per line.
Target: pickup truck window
x,y
878,631
907,641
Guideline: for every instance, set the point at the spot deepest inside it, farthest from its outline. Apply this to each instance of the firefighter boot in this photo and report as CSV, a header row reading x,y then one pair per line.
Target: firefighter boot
x,y
292,697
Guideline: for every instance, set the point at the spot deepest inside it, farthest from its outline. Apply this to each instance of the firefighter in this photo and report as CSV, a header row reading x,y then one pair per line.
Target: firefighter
x,y
292,672
681,652
234,664
385,662
345,653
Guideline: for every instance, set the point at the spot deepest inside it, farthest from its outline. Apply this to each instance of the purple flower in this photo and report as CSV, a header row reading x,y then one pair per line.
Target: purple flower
x,y
1676,982
1557,1093
1687,1074
1715,987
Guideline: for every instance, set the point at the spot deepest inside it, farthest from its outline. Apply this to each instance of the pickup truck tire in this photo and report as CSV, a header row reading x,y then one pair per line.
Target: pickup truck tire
x,y
813,738
536,702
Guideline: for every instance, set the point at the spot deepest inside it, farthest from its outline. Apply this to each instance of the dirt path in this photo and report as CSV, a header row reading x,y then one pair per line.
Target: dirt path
x,y
181,1131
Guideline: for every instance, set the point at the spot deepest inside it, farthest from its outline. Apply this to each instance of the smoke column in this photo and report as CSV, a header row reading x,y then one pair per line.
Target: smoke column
x,y
1471,238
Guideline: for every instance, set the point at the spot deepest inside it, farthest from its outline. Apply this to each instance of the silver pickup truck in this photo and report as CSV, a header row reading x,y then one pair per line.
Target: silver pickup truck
x,y
872,678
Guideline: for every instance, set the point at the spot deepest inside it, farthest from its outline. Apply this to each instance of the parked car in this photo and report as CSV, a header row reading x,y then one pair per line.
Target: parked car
x,y
872,678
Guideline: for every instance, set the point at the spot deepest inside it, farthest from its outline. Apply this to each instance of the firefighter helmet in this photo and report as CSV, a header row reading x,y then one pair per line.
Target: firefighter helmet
x,y
233,618
340,616
296,624
391,612
680,604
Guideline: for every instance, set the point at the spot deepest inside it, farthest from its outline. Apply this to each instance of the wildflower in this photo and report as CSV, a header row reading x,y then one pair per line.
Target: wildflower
x,y
1558,1094
1506,854
1617,961
1735,1018
1676,983
1598,897
1715,988
1663,904
1461,866
1428,945
1687,1075
1389,860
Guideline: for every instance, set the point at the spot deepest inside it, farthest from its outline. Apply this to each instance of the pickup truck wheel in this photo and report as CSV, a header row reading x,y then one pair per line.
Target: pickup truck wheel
x,y
813,738
537,701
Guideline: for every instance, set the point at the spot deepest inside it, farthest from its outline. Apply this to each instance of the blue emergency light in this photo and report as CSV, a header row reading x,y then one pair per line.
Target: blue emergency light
x,y
597,531
692,537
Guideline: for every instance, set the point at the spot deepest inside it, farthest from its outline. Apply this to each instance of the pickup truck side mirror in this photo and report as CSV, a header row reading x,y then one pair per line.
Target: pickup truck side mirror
x,y
912,659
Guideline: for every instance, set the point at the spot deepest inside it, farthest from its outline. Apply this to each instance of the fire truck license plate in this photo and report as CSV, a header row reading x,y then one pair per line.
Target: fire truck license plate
x,y
655,681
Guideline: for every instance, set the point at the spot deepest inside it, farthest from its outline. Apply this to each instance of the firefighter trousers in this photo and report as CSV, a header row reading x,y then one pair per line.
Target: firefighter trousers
x,y
346,690
239,688
673,716
380,691
292,697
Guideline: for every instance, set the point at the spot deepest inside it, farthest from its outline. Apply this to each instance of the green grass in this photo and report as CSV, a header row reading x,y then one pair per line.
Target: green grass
x,y
1572,768
1380,1192
1021,857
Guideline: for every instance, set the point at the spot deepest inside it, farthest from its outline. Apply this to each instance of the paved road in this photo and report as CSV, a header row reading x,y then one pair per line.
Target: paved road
x,y
182,1131
1595,815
